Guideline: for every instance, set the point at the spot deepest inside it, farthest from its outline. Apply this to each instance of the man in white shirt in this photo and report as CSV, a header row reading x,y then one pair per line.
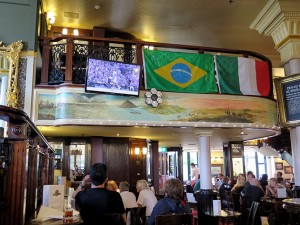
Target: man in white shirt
x,y
129,199
146,196
195,172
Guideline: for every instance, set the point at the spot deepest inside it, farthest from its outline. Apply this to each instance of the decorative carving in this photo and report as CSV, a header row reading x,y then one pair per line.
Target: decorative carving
x,y
17,130
12,53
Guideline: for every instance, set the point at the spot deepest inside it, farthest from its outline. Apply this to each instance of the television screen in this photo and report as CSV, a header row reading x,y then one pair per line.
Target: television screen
x,y
112,77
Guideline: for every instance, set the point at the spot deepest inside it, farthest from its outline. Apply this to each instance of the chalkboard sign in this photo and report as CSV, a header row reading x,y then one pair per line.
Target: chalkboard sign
x,y
288,96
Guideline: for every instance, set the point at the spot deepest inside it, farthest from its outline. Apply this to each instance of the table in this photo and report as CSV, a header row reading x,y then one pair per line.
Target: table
x,y
76,220
225,217
272,207
292,206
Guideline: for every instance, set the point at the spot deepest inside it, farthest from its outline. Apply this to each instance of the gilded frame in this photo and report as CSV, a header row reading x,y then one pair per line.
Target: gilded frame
x,y
283,87
278,166
288,170
12,53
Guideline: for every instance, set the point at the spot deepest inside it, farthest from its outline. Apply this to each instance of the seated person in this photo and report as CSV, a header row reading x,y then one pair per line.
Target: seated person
x,y
271,188
281,181
264,181
172,202
97,203
146,196
129,199
253,192
222,191
112,186
240,184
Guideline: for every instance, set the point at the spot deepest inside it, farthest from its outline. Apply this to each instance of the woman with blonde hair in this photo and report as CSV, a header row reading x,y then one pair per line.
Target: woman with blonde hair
x,y
112,186
240,184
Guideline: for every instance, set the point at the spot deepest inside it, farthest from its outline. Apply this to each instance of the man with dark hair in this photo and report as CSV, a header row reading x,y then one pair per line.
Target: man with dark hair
x,y
99,205
249,178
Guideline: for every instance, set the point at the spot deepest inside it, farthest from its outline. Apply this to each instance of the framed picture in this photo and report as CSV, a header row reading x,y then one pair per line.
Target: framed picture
x,y
216,169
288,91
279,166
288,169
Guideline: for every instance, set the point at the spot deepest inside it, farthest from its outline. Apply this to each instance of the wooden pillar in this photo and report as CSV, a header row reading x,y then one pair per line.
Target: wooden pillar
x,y
69,60
45,62
15,178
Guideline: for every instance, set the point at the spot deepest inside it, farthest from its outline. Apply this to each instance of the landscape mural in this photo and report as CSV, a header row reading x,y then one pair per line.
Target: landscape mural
x,y
175,107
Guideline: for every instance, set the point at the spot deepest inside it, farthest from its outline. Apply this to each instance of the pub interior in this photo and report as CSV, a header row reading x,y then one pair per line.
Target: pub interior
x,y
76,92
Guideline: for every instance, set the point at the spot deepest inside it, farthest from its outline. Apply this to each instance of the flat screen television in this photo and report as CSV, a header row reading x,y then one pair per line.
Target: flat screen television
x,y
112,77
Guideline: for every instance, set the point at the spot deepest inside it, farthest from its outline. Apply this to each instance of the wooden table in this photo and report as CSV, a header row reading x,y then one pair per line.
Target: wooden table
x,y
274,210
292,206
76,220
224,217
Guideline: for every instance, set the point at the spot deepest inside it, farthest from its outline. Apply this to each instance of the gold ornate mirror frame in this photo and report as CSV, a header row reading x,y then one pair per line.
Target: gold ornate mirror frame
x,y
12,53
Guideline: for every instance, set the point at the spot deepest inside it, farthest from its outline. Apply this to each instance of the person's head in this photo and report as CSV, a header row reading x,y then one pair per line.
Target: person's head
x,y
98,174
279,174
174,188
264,177
240,181
226,180
273,182
124,186
193,165
141,185
221,176
111,185
250,175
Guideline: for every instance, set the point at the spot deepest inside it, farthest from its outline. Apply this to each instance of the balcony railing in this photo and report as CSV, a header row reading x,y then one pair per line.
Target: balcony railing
x,y
64,58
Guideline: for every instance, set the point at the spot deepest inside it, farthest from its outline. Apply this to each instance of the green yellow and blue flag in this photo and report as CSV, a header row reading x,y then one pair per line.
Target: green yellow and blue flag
x,y
179,72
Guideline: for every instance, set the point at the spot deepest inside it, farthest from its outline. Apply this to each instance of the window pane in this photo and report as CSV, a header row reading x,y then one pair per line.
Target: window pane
x,y
260,158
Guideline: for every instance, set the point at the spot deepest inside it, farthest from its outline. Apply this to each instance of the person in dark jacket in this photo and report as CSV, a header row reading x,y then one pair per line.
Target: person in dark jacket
x,y
171,203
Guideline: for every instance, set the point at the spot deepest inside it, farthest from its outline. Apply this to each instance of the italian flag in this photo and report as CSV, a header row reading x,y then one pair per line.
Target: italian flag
x,y
244,76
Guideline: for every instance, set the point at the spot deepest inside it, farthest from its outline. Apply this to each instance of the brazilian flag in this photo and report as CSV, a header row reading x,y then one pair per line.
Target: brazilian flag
x,y
179,72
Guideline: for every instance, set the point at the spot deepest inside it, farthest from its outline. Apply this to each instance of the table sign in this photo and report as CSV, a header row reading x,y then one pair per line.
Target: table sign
x,y
53,196
216,206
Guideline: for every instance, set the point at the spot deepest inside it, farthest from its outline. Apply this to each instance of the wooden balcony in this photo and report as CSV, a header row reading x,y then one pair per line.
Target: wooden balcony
x,y
64,58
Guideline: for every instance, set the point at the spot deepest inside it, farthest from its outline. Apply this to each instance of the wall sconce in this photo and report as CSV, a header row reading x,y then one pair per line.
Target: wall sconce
x,y
75,32
65,31
51,19
140,154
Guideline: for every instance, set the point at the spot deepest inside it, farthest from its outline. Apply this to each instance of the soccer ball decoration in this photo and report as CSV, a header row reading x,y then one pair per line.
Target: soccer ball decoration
x,y
153,97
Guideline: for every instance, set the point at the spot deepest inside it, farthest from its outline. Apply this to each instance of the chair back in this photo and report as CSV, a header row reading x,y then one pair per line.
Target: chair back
x,y
112,219
236,201
137,215
229,199
254,214
176,219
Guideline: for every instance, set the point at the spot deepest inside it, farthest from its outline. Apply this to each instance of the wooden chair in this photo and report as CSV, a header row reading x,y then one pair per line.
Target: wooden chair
x,y
137,215
176,219
254,214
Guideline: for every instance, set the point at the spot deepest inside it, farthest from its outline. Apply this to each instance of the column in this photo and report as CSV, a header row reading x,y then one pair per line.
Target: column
x,y
281,20
295,142
205,196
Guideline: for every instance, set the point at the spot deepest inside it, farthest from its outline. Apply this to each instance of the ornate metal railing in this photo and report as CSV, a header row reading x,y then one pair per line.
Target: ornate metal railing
x,y
66,62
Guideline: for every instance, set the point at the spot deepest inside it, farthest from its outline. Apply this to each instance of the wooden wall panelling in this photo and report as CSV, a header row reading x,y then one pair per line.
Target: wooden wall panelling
x,y
32,183
137,164
14,186
115,156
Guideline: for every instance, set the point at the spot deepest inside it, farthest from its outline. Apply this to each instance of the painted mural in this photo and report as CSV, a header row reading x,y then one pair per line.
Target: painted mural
x,y
175,107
